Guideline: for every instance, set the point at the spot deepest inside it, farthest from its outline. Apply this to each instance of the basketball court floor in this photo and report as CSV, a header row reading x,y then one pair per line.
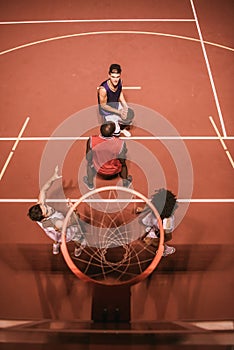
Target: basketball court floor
x,y
177,72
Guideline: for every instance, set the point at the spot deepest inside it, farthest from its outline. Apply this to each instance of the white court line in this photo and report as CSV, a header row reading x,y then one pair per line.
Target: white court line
x,y
85,138
102,20
109,32
222,142
131,88
209,70
184,200
13,148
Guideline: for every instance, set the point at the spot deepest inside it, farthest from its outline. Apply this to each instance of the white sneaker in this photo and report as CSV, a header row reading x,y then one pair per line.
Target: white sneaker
x,y
77,251
168,250
56,247
126,133
83,243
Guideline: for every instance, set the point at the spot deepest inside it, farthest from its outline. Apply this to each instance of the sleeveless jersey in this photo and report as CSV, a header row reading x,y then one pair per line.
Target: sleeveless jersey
x,y
112,97
105,153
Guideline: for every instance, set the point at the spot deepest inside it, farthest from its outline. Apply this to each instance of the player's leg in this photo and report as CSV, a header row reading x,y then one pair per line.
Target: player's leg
x,y
80,244
56,244
127,179
91,173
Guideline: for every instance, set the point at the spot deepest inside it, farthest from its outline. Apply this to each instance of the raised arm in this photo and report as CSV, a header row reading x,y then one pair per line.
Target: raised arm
x,y
122,158
47,185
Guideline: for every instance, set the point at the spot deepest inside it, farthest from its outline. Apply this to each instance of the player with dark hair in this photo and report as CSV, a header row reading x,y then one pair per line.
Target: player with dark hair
x,y
166,203
51,220
106,156
112,104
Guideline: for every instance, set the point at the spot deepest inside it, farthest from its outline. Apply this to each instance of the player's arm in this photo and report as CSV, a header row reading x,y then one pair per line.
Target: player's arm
x,y
75,217
103,102
122,158
47,185
123,152
89,152
123,102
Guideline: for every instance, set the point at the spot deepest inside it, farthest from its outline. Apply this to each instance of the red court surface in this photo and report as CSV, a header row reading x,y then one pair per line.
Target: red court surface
x,y
177,61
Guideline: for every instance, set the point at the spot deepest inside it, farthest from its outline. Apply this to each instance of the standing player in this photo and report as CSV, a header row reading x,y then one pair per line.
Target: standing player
x,y
166,203
112,104
51,220
106,156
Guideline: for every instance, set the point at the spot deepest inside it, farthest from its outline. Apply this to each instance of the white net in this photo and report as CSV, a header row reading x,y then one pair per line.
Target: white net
x,y
113,250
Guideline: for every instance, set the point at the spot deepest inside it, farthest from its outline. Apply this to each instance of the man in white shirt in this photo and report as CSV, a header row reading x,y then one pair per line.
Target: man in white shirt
x,y
51,220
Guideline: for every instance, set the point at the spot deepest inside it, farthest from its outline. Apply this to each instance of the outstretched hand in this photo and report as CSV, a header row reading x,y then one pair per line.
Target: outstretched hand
x,y
56,175
70,204
47,185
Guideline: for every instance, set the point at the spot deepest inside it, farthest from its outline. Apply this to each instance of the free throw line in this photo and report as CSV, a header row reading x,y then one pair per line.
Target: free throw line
x,y
222,141
13,148
85,138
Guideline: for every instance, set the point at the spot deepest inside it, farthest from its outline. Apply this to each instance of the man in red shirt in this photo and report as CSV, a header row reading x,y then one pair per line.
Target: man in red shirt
x,y
106,156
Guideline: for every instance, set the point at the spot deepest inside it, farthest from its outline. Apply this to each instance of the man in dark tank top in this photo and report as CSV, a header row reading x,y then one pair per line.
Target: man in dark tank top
x,y
112,104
